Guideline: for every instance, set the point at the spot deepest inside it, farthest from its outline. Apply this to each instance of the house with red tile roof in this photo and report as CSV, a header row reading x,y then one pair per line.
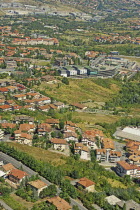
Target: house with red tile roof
x,y
20,97
52,121
59,144
59,203
25,127
71,136
107,155
8,125
6,107
124,168
44,128
17,175
4,90
23,138
86,184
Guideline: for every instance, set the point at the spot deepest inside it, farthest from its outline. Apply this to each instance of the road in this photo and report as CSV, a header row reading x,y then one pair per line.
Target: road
x,y
5,205
18,164
75,203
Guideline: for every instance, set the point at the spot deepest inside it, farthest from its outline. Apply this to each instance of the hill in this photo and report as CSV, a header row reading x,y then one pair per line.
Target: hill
x,y
80,90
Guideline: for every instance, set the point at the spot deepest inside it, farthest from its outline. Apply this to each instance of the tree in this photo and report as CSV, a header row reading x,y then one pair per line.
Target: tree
x,y
65,80
61,124
75,207
50,191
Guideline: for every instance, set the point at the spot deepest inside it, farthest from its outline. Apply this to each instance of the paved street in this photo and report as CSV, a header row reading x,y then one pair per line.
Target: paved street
x,y
5,205
18,164
75,203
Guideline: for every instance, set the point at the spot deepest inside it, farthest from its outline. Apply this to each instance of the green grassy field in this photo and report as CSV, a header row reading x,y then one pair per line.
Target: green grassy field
x,y
41,154
79,90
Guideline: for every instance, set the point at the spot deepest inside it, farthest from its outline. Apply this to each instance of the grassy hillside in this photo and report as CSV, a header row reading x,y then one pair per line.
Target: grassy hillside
x,y
80,90
41,154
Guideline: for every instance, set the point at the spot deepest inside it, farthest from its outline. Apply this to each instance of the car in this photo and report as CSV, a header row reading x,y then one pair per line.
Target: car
x,y
11,138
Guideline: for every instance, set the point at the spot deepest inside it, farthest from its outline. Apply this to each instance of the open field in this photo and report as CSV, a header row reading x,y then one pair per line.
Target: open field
x,y
88,120
27,204
14,203
41,154
79,90
116,183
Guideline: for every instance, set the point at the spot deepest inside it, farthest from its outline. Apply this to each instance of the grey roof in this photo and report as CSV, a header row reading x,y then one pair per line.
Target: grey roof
x,y
24,118
125,135
112,200
129,205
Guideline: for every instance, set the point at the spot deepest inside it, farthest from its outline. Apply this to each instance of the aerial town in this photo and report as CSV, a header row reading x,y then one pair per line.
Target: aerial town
x,y
69,105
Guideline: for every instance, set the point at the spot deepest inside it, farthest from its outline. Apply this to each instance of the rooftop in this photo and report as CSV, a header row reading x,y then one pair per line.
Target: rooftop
x,y
18,173
8,167
112,200
86,182
38,184
60,203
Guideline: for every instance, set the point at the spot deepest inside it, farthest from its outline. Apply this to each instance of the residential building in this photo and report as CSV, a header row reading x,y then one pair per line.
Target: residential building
x,y
79,106
52,121
20,97
124,168
29,128
82,150
17,175
7,168
23,138
85,153
37,186
107,155
5,108
86,184
107,143
59,203
112,200
23,119
129,205
44,128
8,125
59,144
59,105
71,136
44,108
89,141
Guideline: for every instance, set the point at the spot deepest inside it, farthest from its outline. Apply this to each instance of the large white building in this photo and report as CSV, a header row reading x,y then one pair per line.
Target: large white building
x,y
131,133
123,168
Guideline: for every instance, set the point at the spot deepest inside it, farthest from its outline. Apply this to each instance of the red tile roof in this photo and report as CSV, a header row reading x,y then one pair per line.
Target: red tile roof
x,y
60,203
86,182
127,166
58,141
18,173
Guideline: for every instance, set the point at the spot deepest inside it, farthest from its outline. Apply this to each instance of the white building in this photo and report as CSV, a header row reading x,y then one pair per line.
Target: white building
x,y
124,168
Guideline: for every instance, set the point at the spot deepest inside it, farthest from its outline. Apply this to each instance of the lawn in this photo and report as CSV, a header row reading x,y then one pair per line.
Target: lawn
x,y
41,154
